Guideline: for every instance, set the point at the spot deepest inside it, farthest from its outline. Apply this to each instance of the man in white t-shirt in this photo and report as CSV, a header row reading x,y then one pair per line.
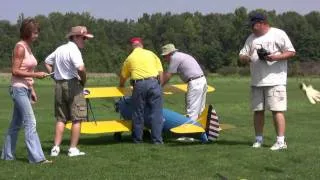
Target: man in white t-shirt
x,y
70,75
267,50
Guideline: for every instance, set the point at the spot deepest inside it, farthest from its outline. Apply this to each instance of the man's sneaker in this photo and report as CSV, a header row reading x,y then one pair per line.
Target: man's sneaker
x,y
257,144
55,151
75,152
279,146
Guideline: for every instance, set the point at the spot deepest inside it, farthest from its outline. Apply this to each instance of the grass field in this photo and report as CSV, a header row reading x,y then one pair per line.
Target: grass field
x,y
230,157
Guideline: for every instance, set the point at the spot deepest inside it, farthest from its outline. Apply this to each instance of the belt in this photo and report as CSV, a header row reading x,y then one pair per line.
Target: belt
x,y
133,81
193,78
65,80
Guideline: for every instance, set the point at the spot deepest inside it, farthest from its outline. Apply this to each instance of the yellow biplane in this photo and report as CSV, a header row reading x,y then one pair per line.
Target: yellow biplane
x,y
174,122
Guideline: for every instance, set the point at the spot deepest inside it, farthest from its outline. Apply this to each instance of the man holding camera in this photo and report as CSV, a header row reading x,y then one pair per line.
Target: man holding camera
x,y
267,50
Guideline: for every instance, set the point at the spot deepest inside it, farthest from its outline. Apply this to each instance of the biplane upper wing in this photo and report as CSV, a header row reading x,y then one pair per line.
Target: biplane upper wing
x,y
180,88
103,126
104,92
101,92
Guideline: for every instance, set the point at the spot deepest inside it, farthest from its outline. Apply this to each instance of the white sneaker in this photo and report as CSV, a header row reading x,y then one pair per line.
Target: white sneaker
x,y
55,151
257,144
279,146
75,152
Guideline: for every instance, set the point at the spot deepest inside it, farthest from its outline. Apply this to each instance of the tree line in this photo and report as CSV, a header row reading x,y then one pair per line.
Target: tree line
x,y
214,39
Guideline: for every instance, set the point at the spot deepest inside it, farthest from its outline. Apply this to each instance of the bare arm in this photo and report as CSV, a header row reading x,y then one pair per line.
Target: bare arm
x,y
34,97
166,77
18,56
244,59
122,81
83,75
283,56
49,67
160,77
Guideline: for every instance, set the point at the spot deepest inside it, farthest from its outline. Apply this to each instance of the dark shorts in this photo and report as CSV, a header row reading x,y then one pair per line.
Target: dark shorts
x,y
70,103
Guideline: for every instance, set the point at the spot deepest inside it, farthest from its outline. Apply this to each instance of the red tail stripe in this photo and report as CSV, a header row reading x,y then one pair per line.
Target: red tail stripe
x,y
214,127
216,123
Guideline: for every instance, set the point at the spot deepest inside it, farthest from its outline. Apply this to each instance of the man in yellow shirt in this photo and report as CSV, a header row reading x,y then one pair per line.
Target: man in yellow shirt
x,y
144,69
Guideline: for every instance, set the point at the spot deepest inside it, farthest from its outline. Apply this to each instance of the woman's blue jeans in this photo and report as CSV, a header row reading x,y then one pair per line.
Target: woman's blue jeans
x,y
22,116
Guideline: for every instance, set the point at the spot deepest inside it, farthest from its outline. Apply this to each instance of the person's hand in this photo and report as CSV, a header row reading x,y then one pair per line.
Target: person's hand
x,y
272,57
245,59
40,75
34,97
82,83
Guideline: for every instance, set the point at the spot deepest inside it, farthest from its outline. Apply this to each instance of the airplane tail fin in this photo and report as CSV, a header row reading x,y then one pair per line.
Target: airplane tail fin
x,y
202,119
212,126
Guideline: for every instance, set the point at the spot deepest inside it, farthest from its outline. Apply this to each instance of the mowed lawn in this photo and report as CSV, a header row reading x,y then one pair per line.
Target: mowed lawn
x,y
231,157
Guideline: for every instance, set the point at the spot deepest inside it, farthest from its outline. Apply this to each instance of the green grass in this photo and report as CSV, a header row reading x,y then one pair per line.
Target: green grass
x,y
231,156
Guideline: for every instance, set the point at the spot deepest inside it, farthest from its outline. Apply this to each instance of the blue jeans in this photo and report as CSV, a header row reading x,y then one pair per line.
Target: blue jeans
x,y
22,115
147,109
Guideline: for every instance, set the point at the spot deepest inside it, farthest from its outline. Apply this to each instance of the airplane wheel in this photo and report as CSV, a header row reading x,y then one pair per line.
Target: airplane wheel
x,y
117,136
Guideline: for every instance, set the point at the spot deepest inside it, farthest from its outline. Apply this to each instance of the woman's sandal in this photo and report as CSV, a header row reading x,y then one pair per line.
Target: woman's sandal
x,y
45,162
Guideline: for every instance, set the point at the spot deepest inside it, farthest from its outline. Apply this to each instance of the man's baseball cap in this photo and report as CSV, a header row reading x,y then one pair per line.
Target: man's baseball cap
x,y
257,17
136,40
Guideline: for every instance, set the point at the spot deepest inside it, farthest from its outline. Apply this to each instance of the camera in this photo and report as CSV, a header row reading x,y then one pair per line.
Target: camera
x,y
262,53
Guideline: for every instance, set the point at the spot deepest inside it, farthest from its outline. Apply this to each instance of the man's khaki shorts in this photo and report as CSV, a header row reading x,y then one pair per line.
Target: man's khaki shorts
x,y
273,98
70,103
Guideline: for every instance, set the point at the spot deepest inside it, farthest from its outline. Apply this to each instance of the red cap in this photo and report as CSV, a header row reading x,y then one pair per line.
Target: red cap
x,y
135,40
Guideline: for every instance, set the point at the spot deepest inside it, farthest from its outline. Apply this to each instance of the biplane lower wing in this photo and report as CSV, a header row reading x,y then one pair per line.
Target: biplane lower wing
x,y
104,126
105,92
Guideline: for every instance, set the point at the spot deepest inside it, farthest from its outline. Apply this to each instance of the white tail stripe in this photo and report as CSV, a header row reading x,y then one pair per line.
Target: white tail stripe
x,y
213,133
214,116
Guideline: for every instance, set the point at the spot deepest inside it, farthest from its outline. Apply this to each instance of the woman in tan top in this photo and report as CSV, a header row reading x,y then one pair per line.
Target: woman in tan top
x,y
23,94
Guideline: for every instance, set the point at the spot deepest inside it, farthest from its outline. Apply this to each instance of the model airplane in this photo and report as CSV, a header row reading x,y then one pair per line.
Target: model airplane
x,y
312,94
207,124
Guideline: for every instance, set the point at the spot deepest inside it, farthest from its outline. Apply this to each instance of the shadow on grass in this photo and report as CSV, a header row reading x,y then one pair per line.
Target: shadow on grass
x,y
273,169
221,176
228,142
174,142
19,159
22,159
169,140
95,140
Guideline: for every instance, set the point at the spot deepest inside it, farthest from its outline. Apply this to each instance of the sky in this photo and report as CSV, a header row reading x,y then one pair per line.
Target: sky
x,y
133,9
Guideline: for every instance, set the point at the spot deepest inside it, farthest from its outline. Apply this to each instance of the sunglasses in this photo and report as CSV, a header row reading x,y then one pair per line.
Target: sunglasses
x,y
82,37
